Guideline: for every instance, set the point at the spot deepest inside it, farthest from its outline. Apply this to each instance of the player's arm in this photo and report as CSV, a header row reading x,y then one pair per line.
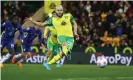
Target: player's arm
x,y
26,29
74,24
75,28
40,24
20,32
46,30
23,33
3,27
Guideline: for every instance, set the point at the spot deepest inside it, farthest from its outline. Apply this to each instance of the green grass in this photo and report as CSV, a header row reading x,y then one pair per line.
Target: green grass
x,y
66,72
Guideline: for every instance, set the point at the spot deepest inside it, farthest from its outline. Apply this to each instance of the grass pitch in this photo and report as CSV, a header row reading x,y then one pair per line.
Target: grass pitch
x,y
66,72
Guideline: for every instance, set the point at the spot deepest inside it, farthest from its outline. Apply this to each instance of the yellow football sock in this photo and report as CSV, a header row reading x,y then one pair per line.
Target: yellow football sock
x,y
47,55
65,50
49,58
55,59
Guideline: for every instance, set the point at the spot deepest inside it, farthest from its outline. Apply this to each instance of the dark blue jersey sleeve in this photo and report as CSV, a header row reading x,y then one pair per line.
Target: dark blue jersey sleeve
x,y
4,25
26,29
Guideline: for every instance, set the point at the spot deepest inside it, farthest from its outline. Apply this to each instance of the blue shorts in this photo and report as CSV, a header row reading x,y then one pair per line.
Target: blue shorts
x,y
7,42
26,47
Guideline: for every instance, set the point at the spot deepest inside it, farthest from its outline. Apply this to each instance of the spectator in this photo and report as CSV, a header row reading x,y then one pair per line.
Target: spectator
x,y
19,8
110,17
103,16
88,7
100,29
95,6
130,35
93,18
119,30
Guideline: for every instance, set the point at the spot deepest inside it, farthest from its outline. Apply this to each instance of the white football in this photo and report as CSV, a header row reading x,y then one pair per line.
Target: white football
x,y
101,61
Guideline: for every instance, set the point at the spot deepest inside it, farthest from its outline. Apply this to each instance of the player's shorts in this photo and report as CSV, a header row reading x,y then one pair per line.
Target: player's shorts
x,y
26,47
67,39
53,47
7,42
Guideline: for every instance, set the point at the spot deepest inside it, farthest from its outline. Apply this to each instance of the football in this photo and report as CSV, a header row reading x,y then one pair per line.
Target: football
x,y
101,61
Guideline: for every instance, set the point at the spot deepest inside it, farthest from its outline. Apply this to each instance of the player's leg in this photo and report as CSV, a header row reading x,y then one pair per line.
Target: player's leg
x,y
56,58
1,52
61,40
25,55
49,55
2,45
68,44
49,52
22,54
56,50
52,54
26,52
1,59
15,57
10,47
22,59
50,49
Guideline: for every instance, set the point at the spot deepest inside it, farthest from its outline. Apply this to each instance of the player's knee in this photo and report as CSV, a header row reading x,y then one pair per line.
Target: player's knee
x,y
23,55
29,54
61,54
49,51
63,44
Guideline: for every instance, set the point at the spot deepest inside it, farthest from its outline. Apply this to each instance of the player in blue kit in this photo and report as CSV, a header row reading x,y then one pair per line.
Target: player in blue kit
x,y
7,37
30,34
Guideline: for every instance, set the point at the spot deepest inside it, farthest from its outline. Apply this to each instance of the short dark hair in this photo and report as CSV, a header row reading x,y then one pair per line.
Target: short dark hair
x,y
15,16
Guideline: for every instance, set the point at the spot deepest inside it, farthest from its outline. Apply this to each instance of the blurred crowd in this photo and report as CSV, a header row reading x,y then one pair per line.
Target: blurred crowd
x,y
21,8
93,18
96,17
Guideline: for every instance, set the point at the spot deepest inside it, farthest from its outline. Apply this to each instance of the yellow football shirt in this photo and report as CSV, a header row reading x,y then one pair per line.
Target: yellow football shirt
x,y
63,25
53,34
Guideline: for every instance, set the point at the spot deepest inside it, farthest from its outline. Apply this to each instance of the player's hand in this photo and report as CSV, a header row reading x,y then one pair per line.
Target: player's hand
x,y
29,19
42,45
45,37
77,37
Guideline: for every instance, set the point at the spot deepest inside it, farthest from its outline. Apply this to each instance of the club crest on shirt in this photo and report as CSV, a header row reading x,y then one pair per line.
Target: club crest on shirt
x,y
63,23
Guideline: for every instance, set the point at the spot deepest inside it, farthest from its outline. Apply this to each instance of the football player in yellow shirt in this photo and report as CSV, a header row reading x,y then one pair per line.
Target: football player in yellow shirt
x,y
52,44
65,26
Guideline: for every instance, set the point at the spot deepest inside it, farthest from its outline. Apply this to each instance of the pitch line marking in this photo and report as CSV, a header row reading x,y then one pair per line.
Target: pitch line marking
x,y
100,78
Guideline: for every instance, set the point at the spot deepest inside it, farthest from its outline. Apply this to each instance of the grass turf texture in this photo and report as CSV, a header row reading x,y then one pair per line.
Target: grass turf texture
x,y
66,72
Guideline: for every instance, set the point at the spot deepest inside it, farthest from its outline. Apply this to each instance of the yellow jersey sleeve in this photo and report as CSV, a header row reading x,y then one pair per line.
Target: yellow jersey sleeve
x,y
71,19
49,22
